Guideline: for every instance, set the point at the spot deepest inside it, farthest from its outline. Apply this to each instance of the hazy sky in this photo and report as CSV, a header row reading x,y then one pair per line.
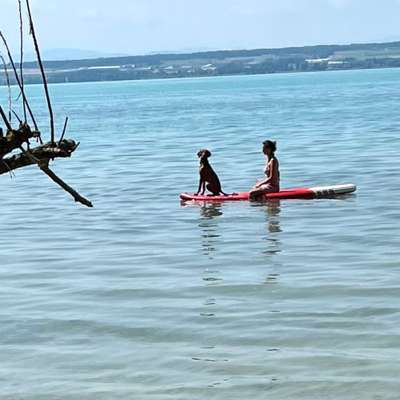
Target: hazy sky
x,y
143,26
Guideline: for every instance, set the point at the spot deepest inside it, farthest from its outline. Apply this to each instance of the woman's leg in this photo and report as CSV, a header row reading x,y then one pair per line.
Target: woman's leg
x,y
259,193
256,194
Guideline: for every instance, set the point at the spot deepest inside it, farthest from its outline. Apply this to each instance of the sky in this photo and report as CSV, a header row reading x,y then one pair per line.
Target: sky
x,y
146,26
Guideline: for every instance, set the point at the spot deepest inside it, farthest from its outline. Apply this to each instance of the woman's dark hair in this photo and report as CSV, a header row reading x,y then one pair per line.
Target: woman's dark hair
x,y
271,145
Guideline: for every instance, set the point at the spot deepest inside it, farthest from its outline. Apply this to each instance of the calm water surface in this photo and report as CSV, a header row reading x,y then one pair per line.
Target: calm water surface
x,y
143,298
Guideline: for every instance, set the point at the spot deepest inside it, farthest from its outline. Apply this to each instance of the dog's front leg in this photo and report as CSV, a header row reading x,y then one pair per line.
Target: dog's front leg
x,y
203,190
200,184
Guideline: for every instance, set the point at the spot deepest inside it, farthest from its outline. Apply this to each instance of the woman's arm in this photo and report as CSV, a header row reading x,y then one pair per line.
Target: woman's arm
x,y
272,171
261,183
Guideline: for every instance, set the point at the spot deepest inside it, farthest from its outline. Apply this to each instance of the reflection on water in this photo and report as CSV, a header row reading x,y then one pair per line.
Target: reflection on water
x,y
211,210
208,224
273,210
209,229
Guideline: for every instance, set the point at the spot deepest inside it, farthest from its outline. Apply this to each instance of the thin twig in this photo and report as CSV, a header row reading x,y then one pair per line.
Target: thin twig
x,y
8,86
6,121
10,171
16,116
46,89
25,100
64,130
21,63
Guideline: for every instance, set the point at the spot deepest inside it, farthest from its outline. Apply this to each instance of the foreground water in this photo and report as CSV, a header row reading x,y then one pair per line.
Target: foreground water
x,y
142,298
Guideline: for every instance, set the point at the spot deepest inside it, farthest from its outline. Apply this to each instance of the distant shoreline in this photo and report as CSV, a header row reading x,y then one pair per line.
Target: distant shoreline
x,y
204,77
218,63
36,83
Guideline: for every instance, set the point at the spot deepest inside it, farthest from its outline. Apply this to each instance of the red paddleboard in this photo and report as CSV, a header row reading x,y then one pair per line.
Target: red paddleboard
x,y
299,193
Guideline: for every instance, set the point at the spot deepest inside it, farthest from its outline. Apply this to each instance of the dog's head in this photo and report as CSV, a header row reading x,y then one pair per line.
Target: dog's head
x,y
204,154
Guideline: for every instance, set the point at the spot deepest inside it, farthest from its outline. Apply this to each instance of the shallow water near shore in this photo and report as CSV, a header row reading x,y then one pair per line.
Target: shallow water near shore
x,y
145,298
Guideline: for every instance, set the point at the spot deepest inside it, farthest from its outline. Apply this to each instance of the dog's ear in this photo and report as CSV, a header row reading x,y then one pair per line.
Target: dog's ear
x,y
207,153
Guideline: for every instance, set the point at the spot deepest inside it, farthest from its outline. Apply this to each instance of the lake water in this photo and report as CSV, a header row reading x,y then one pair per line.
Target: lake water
x,y
143,298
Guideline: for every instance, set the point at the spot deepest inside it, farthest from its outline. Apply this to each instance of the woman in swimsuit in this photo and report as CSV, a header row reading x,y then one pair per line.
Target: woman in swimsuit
x,y
271,184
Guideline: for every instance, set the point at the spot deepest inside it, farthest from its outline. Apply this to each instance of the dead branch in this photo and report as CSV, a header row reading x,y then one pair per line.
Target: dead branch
x,y
17,116
8,86
64,129
21,62
41,156
14,138
39,58
41,153
77,197
24,99
6,121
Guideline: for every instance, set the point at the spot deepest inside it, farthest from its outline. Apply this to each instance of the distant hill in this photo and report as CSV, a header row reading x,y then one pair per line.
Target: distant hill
x,y
69,54
215,63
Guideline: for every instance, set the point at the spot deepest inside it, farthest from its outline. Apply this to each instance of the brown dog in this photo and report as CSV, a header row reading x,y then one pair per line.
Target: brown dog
x,y
208,178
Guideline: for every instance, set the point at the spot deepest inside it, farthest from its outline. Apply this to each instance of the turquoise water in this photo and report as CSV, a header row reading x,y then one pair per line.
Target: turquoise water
x,y
142,298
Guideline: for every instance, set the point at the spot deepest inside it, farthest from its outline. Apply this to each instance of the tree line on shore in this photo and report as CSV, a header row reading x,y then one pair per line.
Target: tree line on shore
x,y
214,63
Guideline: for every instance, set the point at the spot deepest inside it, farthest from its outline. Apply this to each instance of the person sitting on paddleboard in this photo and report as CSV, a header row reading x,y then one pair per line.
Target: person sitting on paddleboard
x,y
271,184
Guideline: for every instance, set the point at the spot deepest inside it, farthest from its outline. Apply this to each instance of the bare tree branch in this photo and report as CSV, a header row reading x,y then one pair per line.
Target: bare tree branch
x,y
21,62
24,99
16,138
45,152
77,197
39,58
41,156
8,86
64,130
